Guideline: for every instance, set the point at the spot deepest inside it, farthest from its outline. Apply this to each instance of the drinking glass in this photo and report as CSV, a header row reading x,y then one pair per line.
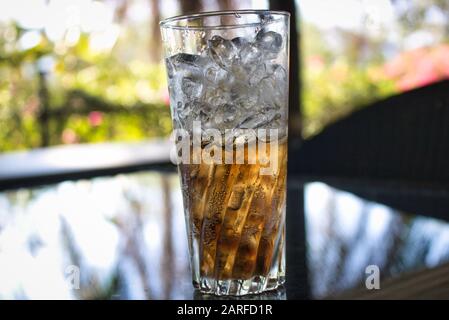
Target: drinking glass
x,y
228,85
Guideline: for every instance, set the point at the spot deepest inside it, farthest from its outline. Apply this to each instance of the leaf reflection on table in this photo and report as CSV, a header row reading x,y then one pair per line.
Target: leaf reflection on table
x,y
116,230
127,235
345,234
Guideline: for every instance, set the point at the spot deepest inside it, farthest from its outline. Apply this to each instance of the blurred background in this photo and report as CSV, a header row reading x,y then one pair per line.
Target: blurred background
x,y
90,71
81,71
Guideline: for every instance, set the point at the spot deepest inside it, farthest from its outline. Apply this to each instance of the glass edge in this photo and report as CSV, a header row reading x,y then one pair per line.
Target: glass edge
x,y
165,23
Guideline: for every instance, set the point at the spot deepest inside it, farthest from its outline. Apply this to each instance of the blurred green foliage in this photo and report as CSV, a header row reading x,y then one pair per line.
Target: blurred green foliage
x,y
344,69
73,91
77,94
336,84
336,91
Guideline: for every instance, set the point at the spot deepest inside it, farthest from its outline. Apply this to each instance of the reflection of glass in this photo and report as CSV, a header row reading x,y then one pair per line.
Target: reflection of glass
x,y
277,294
228,88
50,228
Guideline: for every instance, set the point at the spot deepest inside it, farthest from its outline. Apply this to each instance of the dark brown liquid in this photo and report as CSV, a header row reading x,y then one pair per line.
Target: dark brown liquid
x,y
235,214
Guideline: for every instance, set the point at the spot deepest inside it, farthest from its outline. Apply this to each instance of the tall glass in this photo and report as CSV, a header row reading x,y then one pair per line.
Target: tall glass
x,y
228,85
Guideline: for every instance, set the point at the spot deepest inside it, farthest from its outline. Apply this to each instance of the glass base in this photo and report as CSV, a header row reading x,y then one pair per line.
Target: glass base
x,y
255,285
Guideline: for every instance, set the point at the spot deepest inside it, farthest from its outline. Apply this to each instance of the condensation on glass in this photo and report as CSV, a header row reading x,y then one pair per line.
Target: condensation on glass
x,y
228,71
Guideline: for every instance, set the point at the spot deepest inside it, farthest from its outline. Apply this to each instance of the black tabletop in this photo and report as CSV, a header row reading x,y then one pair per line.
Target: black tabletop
x,y
123,237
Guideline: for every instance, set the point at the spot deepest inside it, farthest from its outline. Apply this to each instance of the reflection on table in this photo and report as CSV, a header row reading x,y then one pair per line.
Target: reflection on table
x,y
345,234
126,234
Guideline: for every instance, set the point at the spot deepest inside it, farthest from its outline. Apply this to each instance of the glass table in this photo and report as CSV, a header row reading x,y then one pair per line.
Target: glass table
x,y
125,235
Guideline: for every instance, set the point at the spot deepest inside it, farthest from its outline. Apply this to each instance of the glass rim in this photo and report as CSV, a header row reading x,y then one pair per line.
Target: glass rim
x,y
167,23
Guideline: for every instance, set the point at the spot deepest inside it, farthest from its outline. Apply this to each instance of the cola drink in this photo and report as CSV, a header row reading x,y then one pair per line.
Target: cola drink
x,y
229,103
236,217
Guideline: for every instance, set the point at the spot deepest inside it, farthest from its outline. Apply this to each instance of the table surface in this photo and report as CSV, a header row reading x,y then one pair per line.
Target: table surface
x,y
126,234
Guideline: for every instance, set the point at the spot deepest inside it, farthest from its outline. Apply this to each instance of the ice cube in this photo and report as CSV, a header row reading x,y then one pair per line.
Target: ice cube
x,y
184,58
203,113
216,75
204,116
250,54
258,73
226,115
279,77
185,63
266,88
222,51
234,85
248,101
273,88
258,120
239,42
240,73
278,73
270,42
192,87
216,96
185,76
184,114
240,90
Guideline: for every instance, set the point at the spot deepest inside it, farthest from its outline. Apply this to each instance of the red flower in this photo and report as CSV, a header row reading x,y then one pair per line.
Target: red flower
x,y
419,67
442,59
95,118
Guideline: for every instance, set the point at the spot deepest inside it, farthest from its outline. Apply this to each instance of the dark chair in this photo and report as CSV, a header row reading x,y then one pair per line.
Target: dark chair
x,y
395,151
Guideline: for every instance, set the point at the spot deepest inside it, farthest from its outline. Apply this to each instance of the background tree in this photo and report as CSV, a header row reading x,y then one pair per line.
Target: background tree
x,y
191,6
155,47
